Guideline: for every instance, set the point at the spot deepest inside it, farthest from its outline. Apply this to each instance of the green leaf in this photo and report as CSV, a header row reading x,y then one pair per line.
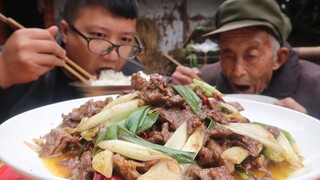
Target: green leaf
x,y
111,133
182,157
136,119
191,97
148,122
106,133
212,123
101,137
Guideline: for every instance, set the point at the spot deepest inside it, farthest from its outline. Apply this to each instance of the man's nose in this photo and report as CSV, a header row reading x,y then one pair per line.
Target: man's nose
x,y
239,68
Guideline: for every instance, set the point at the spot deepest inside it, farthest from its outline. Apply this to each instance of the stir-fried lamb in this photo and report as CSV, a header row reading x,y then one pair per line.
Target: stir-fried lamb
x,y
173,112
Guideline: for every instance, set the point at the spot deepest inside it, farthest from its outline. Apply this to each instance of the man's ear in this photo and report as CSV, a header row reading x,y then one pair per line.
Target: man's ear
x,y
282,56
64,28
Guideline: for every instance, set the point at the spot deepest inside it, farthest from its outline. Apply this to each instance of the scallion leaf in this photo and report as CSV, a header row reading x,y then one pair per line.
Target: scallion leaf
x,y
243,173
111,133
100,137
286,133
191,97
136,119
182,157
212,123
148,122
205,87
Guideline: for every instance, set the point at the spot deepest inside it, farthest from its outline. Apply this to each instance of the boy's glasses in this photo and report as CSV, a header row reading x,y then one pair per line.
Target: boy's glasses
x,y
103,47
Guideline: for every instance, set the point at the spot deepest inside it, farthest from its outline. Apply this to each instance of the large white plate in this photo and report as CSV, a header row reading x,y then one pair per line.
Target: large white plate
x,y
37,122
254,97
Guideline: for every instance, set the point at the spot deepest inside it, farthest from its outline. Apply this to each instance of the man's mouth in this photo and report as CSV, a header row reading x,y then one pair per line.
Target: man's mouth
x,y
241,88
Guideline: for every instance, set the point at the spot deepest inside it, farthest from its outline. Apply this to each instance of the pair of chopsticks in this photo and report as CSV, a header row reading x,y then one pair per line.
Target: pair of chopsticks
x,y
78,72
177,63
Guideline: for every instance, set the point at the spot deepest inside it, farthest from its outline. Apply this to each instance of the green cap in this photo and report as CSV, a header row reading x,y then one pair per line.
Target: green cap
x,y
235,14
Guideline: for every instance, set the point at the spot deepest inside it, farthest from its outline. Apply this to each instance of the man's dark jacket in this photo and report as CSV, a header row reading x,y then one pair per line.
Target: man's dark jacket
x,y
298,79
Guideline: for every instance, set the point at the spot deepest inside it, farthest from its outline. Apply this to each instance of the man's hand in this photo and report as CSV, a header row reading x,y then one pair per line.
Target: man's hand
x,y
28,54
184,75
291,104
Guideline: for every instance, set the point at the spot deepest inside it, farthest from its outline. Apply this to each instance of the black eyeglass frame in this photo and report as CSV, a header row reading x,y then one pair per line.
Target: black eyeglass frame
x,y
88,39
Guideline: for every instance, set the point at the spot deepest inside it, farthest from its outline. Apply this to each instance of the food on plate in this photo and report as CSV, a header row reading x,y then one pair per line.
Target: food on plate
x,y
168,131
110,77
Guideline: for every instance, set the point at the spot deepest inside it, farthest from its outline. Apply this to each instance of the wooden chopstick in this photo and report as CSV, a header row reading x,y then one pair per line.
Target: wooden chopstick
x,y
11,22
15,25
84,72
172,59
75,73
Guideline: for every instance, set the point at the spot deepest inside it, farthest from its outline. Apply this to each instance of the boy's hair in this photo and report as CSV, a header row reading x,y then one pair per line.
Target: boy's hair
x,y
123,8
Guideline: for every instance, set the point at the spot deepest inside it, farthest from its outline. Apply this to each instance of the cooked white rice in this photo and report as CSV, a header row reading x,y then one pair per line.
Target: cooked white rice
x,y
110,77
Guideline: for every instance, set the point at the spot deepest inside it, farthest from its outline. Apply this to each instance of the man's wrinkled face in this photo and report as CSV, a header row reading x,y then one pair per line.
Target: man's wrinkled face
x,y
98,22
247,59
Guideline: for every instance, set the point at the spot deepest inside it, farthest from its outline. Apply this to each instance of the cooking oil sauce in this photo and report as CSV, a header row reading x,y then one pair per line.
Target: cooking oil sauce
x,y
279,171
52,164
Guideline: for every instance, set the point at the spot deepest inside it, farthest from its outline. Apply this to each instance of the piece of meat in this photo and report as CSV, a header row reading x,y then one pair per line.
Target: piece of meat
x,y
175,117
56,141
210,173
210,154
160,137
84,169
